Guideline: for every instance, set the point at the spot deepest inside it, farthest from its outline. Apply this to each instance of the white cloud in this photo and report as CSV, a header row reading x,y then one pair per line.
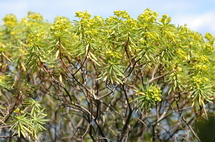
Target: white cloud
x,y
197,22
170,6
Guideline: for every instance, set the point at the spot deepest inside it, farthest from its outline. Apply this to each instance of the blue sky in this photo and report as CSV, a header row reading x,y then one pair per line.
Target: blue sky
x,y
199,15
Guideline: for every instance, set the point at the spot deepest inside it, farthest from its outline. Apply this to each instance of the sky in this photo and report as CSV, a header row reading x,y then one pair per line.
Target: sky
x,y
199,15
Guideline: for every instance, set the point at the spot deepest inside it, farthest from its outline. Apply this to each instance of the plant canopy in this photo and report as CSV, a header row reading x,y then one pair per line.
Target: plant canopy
x,y
104,79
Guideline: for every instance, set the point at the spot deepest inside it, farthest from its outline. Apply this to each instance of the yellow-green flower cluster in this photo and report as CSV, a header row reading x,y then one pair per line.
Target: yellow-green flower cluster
x,y
196,36
170,35
151,35
90,26
35,16
165,19
148,16
84,15
181,54
199,80
208,46
202,58
153,93
111,54
98,20
209,36
10,20
60,26
32,21
131,23
111,20
35,38
201,67
122,14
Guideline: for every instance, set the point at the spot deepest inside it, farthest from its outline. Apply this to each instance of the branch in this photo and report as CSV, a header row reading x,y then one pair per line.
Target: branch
x,y
6,137
128,118
88,50
112,90
183,119
155,78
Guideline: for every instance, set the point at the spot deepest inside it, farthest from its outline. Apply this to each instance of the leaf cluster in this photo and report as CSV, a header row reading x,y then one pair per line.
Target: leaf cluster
x,y
28,122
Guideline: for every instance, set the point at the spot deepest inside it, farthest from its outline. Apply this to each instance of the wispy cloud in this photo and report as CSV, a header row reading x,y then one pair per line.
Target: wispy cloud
x,y
198,22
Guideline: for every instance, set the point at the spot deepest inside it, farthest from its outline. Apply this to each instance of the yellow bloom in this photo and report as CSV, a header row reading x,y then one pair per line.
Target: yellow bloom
x,y
122,14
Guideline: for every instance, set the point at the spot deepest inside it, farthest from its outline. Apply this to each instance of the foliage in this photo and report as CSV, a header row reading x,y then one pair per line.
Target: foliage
x,y
96,79
147,96
29,123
